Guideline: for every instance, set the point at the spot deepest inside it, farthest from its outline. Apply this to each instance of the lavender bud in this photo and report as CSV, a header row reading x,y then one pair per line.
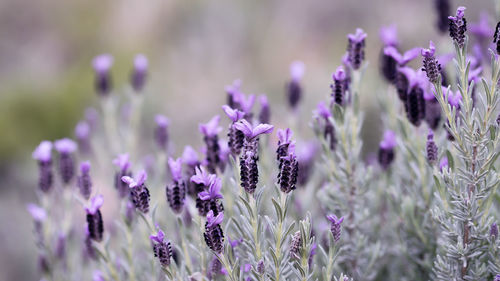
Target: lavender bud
x,y
235,136
43,264
102,65
161,131
287,178
139,193
356,48
162,248
498,120
82,134
43,154
39,215
386,149
401,83
176,192
338,86
261,267
95,225
265,111
84,180
335,226
210,131
296,245
494,231
431,65
284,141
496,37
431,148
294,89
123,164
66,147
214,237
442,10
415,105
201,180
138,77
211,197
458,27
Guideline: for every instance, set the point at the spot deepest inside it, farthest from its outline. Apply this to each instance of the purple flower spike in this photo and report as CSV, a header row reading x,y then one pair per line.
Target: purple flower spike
x,y
43,152
175,168
458,27
139,193
211,128
65,146
442,10
431,148
38,213
251,132
335,226
265,111
386,149
388,35
84,181
356,48
162,248
213,191
82,134
202,177
233,114
214,237
138,181
95,224
190,156
496,38
431,65
138,77
297,69
494,231
339,87
161,131
102,66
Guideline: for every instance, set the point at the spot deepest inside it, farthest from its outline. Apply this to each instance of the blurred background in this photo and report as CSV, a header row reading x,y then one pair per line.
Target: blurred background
x,y
195,48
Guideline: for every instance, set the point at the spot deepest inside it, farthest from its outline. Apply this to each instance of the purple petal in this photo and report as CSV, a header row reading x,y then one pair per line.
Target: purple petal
x,y
122,162
233,114
175,168
357,37
204,195
141,178
388,35
82,130
43,151
211,128
429,52
389,140
297,69
65,145
262,129
339,74
285,136
322,110
102,63
38,213
95,203
161,121
190,156
246,103
244,127
140,63
85,167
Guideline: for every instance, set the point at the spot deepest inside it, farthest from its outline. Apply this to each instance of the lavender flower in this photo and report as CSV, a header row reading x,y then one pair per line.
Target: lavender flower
x,y
213,235
323,116
211,197
261,267
265,111
305,156
82,134
139,193
43,154
294,89
356,48
66,147
201,180
39,215
123,164
402,59
497,277
458,27
431,148
296,245
235,136
494,231
161,131
210,131
102,65
388,35
339,86
215,268
288,164
84,180
233,92
162,248
249,173
190,157
386,149
95,225
431,65
139,73
442,10
176,191
335,227
443,163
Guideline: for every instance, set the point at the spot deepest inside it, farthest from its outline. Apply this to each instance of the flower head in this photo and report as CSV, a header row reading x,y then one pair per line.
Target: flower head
x,y
175,168
161,121
297,69
43,152
251,131
38,213
102,63
159,237
138,77
190,156
388,35
213,190
94,205
211,128
322,110
65,146
82,130
201,176
389,140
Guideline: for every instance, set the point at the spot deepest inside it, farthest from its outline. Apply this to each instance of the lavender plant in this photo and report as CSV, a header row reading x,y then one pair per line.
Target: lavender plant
x,y
259,204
